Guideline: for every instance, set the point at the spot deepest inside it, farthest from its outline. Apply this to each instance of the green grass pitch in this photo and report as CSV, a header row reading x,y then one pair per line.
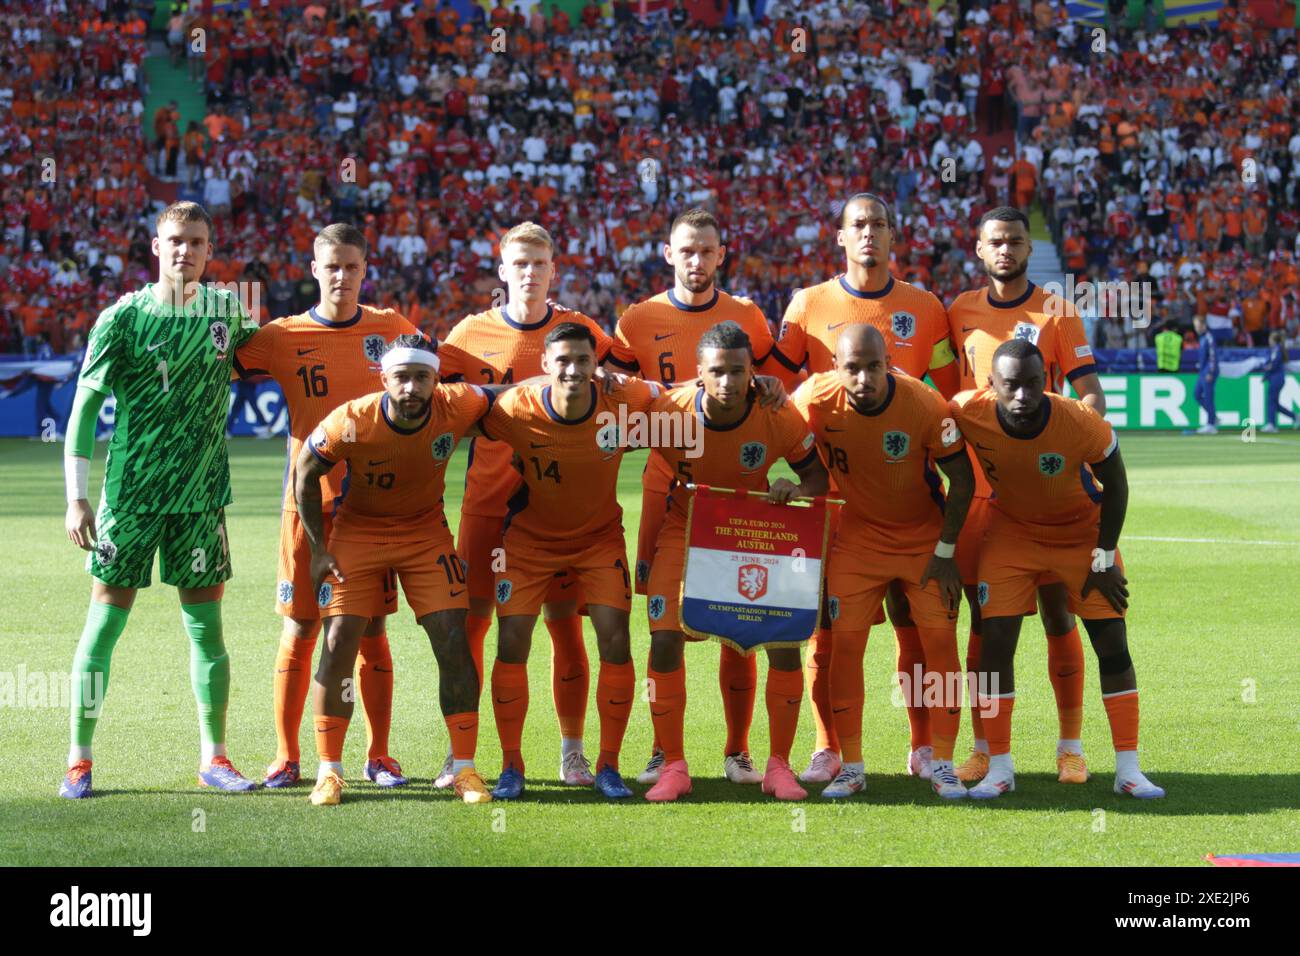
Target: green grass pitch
x,y
1212,555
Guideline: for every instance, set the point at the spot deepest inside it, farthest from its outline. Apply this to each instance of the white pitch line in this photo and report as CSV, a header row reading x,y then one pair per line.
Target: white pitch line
x,y
1212,481
1284,544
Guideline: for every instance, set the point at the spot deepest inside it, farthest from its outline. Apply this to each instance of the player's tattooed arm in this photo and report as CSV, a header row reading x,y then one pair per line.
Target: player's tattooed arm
x,y
813,481
943,569
308,471
1104,574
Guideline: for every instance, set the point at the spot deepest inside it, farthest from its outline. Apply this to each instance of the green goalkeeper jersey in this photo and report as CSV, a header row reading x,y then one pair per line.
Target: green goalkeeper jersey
x,y
169,370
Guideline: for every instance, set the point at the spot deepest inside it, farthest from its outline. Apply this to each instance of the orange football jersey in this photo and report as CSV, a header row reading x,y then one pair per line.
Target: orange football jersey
x,y
491,348
737,455
979,325
395,477
658,337
883,460
912,321
319,365
1042,482
569,466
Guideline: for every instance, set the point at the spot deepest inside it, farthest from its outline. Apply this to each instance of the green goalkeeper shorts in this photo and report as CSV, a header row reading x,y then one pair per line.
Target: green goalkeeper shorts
x,y
195,552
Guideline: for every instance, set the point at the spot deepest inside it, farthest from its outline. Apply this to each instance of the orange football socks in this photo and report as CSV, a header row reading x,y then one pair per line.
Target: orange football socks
x,y
817,667
997,721
1122,712
668,711
941,693
292,680
614,693
784,698
510,706
911,662
847,691
972,673
1066,669
463,730
570,675
375,682
330,732
738,681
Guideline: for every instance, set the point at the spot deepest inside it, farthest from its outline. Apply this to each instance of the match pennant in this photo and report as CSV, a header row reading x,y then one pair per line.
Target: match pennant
x,y
754,570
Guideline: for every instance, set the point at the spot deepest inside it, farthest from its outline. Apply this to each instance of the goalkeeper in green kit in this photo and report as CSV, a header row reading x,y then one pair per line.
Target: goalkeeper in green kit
x,y
165,354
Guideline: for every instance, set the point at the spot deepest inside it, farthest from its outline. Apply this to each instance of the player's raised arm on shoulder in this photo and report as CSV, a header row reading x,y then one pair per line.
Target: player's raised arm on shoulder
x,y
78,449
1075,359
1088,388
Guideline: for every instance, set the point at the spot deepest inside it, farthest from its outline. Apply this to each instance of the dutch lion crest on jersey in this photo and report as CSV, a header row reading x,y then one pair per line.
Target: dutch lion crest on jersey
x,y
642,572
896,444
504,590
325,594
752,455
608,439
1050,463
835,608
443,446
903,324
374,346
220,334
284,592
983,593
1027,331
656,606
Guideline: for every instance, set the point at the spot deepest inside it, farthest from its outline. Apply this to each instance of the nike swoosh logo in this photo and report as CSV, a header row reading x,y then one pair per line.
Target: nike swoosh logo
x,y
668,335
302,352
659,713
383,670
533,444
457,593
287,670
983,447
567,584
620,703
490,354
565,680
841,710
464,726
829,429
156,345
967,328
794,702
510,701
957,711
832,328
1069,673
739,690
378,462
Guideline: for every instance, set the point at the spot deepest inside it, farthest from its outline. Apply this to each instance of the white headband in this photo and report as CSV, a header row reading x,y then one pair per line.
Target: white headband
x,y
408,357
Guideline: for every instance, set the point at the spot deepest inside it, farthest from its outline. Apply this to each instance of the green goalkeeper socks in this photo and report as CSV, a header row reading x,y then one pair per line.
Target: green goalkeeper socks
x,y
104,625
209,668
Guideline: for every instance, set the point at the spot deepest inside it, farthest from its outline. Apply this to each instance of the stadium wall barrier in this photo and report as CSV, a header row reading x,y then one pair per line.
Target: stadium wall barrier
x,y
1167,402
1133,402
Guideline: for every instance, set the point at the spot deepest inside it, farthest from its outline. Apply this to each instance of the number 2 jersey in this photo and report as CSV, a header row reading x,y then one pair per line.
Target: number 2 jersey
x,y
395,476
319,365
169,370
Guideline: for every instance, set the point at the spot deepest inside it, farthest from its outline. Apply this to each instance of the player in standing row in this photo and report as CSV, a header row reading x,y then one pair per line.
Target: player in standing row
x,y
395,444
1012,307
165,354
657,338
915,330
741,440
566,518
321,359
505,345
880,434
1041,453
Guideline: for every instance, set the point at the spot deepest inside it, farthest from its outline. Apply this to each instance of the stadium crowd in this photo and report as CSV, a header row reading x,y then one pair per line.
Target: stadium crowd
x,y
1170,157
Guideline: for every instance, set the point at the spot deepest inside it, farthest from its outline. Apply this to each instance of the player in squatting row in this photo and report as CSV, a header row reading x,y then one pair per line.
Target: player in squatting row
x,y
880,433
502,345
653,339
565,518
741,440
322,358
914,326
1043,454
395,445
165,354
1012,307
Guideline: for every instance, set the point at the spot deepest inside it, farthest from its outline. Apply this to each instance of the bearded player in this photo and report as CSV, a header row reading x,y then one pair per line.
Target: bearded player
x,y
505,345
396,444
1012,307
321,359
741,440
165,355
882,434
565,519
655,339
1043,455
914,326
